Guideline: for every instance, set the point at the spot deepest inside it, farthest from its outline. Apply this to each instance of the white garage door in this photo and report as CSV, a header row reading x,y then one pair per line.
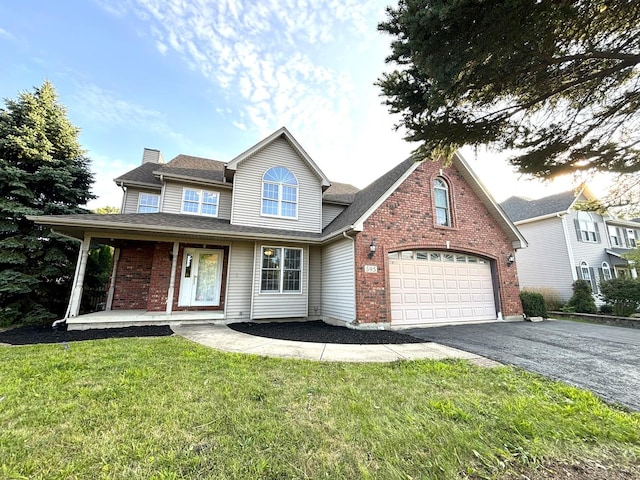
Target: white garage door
x,y
439,287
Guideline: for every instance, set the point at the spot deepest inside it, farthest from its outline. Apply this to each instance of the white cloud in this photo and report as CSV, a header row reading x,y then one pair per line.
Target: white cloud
x,y
5,34
107,108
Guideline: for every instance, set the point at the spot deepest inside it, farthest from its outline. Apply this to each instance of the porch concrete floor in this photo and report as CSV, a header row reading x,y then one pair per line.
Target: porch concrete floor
x,y
136,318
223,338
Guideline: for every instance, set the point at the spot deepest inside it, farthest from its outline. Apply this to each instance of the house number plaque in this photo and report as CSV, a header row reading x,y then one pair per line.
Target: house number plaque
x,y
370,269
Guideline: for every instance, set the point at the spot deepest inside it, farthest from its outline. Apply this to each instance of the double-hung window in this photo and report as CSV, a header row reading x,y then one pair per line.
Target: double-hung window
x,y
587,229
631,238
148,203
200,202
614,236
441,195
279,193
281,270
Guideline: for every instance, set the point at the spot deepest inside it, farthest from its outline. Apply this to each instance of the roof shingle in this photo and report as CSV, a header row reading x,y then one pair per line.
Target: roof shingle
x,y
518,208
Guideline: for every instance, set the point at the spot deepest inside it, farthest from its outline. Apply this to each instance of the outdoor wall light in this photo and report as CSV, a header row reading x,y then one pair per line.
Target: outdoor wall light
x,y
372,247
510,259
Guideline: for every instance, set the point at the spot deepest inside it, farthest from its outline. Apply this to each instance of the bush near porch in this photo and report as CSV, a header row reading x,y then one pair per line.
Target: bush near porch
x,y
166,408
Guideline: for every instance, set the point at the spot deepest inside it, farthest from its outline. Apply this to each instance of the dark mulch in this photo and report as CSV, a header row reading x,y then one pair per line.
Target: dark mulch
x,y
32,334
320,332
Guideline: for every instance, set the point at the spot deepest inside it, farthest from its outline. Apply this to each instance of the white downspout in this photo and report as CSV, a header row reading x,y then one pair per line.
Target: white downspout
x,y
78,283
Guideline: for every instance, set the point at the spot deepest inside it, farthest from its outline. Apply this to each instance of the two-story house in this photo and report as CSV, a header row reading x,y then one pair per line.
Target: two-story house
x,y
567,244
268,236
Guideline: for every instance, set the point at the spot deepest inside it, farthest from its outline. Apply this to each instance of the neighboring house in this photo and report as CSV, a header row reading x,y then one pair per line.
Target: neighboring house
x,y
268,236
566,244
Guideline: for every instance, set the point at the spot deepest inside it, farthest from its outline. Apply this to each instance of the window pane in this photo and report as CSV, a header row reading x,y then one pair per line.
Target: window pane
x,y
270,280
192,195
289,194
422,255
407,255
442,217
148,203
435,257
291,281
292,264
461,258
447,257
441,198
292,259
270,191
269,207
288,209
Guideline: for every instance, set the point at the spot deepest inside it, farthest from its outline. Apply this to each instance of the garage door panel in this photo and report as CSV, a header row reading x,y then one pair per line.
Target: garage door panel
x,y
440,287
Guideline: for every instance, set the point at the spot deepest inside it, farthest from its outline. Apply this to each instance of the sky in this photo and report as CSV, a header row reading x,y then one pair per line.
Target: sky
x,y
211,78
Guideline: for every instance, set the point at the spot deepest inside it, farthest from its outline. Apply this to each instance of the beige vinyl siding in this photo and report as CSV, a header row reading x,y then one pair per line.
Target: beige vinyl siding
x,y
279,305
330,212
131,198
172,202
247,190
545,262
240,273
338,281
315,282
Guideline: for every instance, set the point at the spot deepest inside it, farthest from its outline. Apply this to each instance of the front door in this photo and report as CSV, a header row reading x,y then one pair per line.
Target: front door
x,y
201,278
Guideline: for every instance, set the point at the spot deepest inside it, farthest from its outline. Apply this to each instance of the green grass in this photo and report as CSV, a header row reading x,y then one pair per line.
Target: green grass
x,y
165,408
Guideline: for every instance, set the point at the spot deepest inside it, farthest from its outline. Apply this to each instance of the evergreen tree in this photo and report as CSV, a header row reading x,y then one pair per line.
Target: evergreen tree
x,y
558,80
43,171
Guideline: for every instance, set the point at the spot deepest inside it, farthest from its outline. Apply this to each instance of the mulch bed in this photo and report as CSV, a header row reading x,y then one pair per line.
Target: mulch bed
x,y
32,334
316,332
320,332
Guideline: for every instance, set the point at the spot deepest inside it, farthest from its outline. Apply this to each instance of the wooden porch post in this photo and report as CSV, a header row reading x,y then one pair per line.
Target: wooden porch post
x,y
112,284
172,279
78,281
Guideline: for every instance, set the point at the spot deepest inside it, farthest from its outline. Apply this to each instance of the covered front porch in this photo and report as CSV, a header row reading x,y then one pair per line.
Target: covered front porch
x,y
138,318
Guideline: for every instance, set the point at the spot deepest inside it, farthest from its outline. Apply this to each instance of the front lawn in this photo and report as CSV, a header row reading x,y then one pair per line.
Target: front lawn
x,y
165,408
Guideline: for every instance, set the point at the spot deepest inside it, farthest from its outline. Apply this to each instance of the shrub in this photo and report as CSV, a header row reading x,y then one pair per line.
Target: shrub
x,y
533,304
552,298
582,301
623,294
606,309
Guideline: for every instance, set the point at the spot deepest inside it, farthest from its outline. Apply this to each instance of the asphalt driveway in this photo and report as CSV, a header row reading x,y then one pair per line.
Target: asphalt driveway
x,y
600,358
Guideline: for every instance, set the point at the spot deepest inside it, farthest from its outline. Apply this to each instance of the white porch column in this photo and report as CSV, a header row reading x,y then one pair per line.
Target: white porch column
x,y
112,284
78,281
172,279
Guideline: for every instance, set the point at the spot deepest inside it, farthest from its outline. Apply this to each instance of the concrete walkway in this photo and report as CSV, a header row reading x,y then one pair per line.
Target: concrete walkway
x,y
223,338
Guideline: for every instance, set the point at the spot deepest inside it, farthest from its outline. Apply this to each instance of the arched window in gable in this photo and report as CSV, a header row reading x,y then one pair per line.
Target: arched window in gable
x,y
279,193
442,203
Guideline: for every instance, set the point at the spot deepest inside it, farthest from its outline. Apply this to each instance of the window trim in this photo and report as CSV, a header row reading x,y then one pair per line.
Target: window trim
x,y
147,194
279,200
584,265
282,270
606,268
200,202
448,210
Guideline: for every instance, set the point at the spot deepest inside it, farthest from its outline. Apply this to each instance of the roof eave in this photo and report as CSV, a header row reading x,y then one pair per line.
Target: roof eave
x,y
111,227
233,164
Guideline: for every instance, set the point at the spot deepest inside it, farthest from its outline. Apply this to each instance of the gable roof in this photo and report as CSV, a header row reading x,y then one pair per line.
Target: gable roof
x,y
195,168
342,193
284,133
519,208
141,175
367,200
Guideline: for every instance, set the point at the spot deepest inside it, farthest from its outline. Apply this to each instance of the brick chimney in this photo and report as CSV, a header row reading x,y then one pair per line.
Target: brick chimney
x,y
152,155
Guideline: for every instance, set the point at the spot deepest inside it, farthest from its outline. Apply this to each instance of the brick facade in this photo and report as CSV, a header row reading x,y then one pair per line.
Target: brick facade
x,y
143,276
406,221
133,277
